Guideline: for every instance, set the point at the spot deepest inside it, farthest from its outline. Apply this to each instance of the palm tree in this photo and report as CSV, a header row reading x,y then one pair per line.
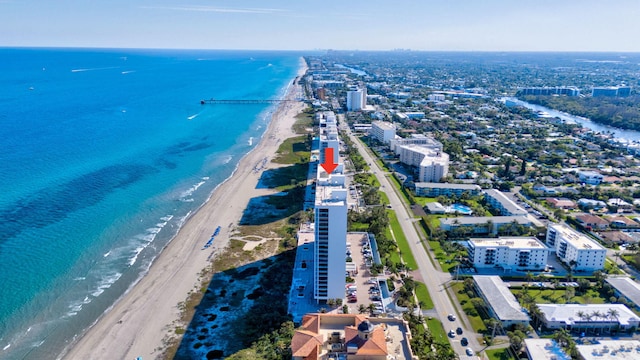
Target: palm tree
x,y
362,309
536,314
562,337
529,277
613,314
582,315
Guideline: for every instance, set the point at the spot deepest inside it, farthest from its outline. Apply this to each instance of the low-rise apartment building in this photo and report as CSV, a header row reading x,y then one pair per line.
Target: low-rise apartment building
x,y
522,253
430,189
499,201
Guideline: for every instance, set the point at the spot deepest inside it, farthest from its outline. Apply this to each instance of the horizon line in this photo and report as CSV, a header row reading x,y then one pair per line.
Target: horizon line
x,y
396,50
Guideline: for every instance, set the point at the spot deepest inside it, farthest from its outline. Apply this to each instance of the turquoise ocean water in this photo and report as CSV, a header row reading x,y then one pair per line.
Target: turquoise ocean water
x,y
103,155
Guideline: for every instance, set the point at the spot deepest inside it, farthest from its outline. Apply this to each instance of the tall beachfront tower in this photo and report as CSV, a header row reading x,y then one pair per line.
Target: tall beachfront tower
x,y
330,236
330,218
328,135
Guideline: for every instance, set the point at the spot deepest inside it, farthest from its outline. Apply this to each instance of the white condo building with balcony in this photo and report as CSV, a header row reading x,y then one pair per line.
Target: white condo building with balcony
x,y
432,164
572,247
516,252
330,235
383,131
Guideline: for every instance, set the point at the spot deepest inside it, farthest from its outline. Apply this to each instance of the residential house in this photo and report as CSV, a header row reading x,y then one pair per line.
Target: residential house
x,y
564,204
592,222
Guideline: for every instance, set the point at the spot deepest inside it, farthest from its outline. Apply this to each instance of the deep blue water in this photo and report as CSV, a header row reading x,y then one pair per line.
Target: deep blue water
x,y
103,155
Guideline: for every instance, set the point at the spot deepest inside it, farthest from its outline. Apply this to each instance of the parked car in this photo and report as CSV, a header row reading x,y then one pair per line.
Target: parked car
x,y
451,317
464,341
469,351
459,331
452,333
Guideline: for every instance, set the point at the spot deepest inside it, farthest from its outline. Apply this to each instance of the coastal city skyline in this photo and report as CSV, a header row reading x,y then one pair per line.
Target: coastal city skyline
x,y
494,25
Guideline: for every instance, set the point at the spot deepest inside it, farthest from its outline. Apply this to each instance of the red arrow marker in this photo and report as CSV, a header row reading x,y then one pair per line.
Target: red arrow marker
x,y
328,165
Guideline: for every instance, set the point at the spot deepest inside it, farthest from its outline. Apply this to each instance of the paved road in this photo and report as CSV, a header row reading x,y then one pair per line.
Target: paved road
x,y
434,279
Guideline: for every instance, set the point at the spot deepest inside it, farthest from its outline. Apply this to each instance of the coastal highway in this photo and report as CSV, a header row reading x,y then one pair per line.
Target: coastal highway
x,y
435,280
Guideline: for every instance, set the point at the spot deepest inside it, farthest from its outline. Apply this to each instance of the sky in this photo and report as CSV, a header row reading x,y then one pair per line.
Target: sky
x,y
441,25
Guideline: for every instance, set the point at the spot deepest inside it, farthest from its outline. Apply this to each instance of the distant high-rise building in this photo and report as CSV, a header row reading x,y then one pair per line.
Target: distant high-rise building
x,y
558,90
611,91
356,99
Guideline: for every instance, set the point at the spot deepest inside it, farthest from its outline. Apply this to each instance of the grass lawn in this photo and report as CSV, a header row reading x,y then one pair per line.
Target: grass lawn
x,y
294,150
437,330
383,197
394,256
422,201
447,260
359,227
395,183
499,354
476,321
401,241
423,296
552,296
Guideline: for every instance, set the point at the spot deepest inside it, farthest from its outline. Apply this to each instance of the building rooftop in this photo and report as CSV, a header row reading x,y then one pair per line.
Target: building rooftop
x,y
611,350
627,287
545,349
521,242
578,240
500,298
507,203
320,334
568,313
475,220
384,125
447,186
331,195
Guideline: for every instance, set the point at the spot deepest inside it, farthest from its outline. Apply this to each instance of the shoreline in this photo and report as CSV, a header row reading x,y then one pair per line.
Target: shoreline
x,y
138,322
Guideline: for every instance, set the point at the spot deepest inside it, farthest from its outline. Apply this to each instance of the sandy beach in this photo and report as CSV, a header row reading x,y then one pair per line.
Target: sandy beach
x,y
137,324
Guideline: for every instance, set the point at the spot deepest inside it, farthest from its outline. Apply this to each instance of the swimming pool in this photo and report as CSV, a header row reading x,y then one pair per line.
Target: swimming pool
x,y
459,208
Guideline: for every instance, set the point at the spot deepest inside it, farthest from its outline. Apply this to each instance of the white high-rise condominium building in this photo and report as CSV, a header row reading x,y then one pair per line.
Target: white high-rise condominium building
x,y
331,238
383,131
509,253
356,99
572,247
432,164
329,135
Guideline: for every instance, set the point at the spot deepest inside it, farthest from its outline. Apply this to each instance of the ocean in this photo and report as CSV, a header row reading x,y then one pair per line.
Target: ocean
x,y
104,154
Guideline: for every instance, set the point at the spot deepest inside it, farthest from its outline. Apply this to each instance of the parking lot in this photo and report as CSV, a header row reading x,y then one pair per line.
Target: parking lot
x,y
365,287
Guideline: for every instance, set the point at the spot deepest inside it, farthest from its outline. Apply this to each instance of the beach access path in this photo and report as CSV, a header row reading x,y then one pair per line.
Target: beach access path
x,y
138,323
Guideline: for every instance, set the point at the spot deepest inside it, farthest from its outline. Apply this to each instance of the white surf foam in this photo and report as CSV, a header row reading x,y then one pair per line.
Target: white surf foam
x,y
93,69
105,283
166,218
191,190
137,252
6,347
228,159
